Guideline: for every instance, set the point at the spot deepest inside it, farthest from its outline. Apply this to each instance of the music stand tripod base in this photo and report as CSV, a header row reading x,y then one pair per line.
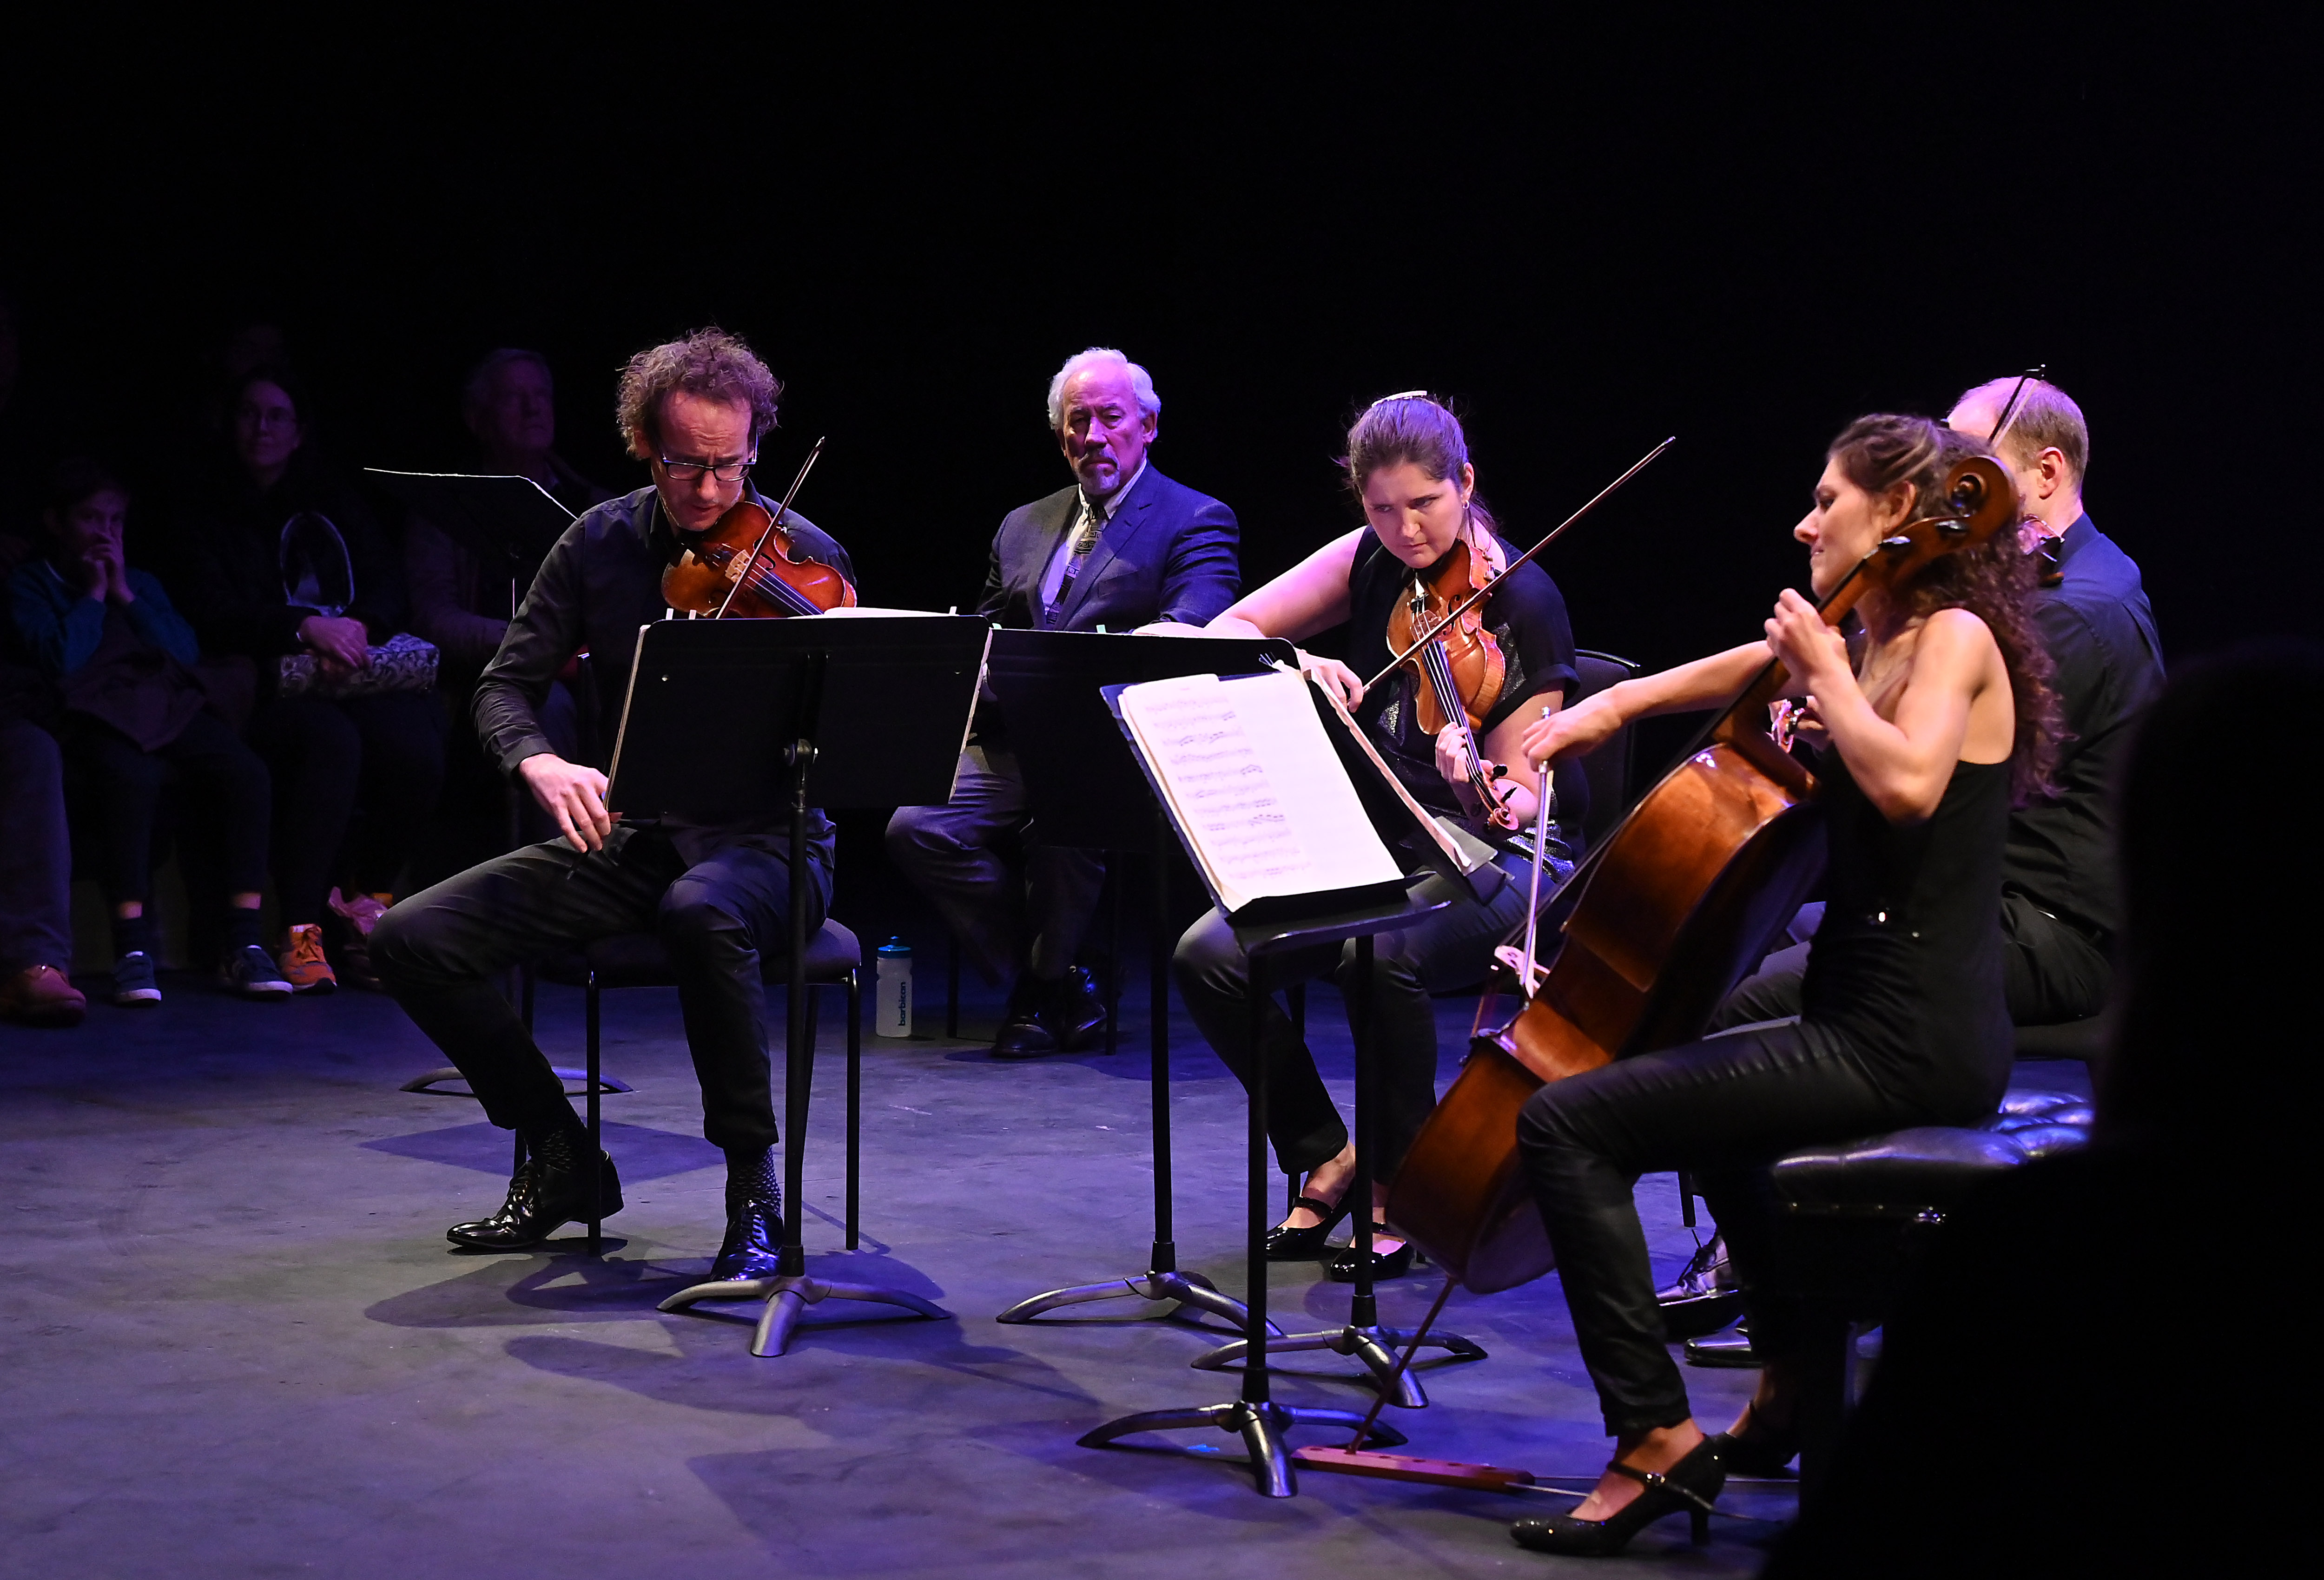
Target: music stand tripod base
x,y
1260,1424
1372,1345
788,1295
1188,1289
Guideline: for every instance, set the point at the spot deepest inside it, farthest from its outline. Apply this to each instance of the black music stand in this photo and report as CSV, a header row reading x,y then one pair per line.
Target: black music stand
x,y
1085,789
1267,928
727,717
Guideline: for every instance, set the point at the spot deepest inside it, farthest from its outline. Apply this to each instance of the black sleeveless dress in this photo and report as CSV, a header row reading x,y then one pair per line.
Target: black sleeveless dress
x,y
1907,966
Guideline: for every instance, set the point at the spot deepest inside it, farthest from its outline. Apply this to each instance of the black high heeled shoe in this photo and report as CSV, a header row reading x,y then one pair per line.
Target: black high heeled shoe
x,y
1340,1267
1760,1450
1686,1488
1285,1244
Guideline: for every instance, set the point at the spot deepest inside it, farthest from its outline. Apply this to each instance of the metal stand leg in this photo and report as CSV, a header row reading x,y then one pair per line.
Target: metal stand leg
x,y
592,1159
1362,1337
952,988
1255,1417
1162,1280
790,1291
854,1100
1114,960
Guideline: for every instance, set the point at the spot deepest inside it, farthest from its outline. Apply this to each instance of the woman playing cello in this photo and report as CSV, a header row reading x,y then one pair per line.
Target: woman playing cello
x,y
1927,739
1409,464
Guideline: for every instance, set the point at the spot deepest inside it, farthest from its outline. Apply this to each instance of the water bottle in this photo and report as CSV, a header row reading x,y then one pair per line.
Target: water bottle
x,y
891,1013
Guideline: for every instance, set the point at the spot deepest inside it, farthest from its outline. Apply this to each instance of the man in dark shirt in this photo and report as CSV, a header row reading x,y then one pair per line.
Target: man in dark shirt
x,y
2061,901
715,893
1124,547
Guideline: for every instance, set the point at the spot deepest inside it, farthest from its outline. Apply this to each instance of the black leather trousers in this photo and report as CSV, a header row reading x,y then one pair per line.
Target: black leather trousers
x,y
1722,1109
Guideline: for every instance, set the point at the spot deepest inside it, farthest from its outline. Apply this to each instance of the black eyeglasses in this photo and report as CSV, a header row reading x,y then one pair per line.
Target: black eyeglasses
x,y
692,471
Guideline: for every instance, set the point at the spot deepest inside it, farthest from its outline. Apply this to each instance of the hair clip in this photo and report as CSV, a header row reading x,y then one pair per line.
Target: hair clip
x,y
1406,395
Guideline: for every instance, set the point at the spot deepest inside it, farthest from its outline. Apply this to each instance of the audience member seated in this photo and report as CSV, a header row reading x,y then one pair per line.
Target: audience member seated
x,y
463,604
133,711
285,559
2074,1387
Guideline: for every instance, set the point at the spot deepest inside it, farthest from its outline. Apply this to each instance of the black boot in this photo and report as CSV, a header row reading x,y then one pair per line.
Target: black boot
x,y
1075,1013
754,1216
548,1192
1023,1035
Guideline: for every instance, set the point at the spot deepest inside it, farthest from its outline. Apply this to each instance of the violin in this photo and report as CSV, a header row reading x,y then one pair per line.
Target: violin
x,y
1675,904
746,565
1456,664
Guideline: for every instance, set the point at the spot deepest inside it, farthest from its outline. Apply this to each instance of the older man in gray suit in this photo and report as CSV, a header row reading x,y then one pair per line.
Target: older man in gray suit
x,y
1125,548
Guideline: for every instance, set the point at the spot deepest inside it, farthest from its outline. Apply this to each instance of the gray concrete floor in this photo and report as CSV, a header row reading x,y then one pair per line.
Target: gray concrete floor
x,y
237,1344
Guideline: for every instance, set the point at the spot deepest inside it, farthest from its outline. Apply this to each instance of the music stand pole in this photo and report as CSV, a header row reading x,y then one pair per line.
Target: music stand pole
x,y
1162,1280
1361,1336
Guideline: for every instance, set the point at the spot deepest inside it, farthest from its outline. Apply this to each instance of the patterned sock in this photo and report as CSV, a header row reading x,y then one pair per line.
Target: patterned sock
x,y
754,1173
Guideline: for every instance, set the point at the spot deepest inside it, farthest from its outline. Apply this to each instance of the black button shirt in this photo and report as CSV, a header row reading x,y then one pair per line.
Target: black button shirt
x,y
600,583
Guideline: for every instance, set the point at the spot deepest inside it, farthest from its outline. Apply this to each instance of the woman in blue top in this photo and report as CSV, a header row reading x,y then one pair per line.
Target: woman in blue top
x,y
134,712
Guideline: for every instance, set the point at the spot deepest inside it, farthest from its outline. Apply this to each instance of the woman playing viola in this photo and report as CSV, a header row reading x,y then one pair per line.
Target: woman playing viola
x,y
1927,738
1409,464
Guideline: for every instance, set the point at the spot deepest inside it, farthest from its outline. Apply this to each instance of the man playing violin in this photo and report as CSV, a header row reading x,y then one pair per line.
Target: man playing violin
x,y
1124,548
714,892
1409,464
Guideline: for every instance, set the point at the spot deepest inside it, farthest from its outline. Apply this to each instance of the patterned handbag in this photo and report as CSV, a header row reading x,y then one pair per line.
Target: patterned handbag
x,y
405,664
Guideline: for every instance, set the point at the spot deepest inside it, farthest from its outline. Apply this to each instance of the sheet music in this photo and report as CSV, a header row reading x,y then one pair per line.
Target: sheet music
x,y
1251,778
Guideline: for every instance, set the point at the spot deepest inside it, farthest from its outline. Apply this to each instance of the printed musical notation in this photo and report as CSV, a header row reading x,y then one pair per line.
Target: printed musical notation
x,y
1256,785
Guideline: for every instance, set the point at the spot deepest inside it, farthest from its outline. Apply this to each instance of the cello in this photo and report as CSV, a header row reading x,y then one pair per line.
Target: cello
x,y
1675,904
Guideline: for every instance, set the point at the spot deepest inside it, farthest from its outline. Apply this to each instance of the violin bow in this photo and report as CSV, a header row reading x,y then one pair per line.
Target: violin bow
x,y
750,560
1479,596
2038,374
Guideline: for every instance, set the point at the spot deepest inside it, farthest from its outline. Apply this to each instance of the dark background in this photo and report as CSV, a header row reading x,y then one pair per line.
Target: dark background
x,y
1740,233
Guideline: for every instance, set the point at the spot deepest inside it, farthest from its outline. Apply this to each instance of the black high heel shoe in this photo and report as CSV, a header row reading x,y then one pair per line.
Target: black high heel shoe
x,y
1687,1487
1758,1450
1285,1244
1340,1266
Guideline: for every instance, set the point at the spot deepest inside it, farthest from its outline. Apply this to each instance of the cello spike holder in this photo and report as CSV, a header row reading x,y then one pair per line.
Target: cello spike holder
x,y
1162,1280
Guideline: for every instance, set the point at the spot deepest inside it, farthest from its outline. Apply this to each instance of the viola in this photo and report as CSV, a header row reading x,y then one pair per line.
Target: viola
x,y
1677,904
747,566
1456,663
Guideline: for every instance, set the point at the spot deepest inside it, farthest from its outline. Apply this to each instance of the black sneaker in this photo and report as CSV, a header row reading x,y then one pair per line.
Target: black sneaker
x,y
134,986
1076,1011
252,972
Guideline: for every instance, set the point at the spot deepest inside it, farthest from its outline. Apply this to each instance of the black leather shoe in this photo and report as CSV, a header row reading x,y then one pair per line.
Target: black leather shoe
x,y
1705,1297
1722,1349
1285,1244
1074,1012
547,1192
1023,1035
1757,1453
754,1234
1686,1488
1396,1263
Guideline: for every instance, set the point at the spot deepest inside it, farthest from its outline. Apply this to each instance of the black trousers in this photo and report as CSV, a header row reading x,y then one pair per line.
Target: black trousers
x,y
1450,948
2050,971
1724,1108
35,851
1028,912
438,950
382,754
227,789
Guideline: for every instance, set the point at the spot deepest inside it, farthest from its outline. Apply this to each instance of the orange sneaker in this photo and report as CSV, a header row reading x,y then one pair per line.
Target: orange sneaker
x,y
350,949
304,964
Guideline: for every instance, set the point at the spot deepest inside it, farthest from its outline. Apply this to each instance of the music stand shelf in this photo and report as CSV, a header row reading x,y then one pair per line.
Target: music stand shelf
x,y
735,717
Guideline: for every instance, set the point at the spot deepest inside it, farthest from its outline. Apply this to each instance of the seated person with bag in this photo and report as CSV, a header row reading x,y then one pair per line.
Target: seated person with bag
x,y
134,710
288,567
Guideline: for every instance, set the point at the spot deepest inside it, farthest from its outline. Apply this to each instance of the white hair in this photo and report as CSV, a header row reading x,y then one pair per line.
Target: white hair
x,y
1141,383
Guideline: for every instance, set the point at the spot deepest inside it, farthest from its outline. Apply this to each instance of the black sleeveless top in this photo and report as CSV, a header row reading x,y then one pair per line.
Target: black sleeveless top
x,y
1907,964
1527,615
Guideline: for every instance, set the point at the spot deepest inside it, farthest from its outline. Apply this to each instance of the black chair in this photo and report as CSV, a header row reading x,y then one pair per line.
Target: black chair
x,y
834,959
1853,1219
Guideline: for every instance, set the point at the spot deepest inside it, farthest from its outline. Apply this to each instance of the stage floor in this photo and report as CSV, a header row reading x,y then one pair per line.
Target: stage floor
x,y
238,1344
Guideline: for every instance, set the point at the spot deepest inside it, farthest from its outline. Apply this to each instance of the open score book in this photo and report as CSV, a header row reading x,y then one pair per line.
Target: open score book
x,y
1261,794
